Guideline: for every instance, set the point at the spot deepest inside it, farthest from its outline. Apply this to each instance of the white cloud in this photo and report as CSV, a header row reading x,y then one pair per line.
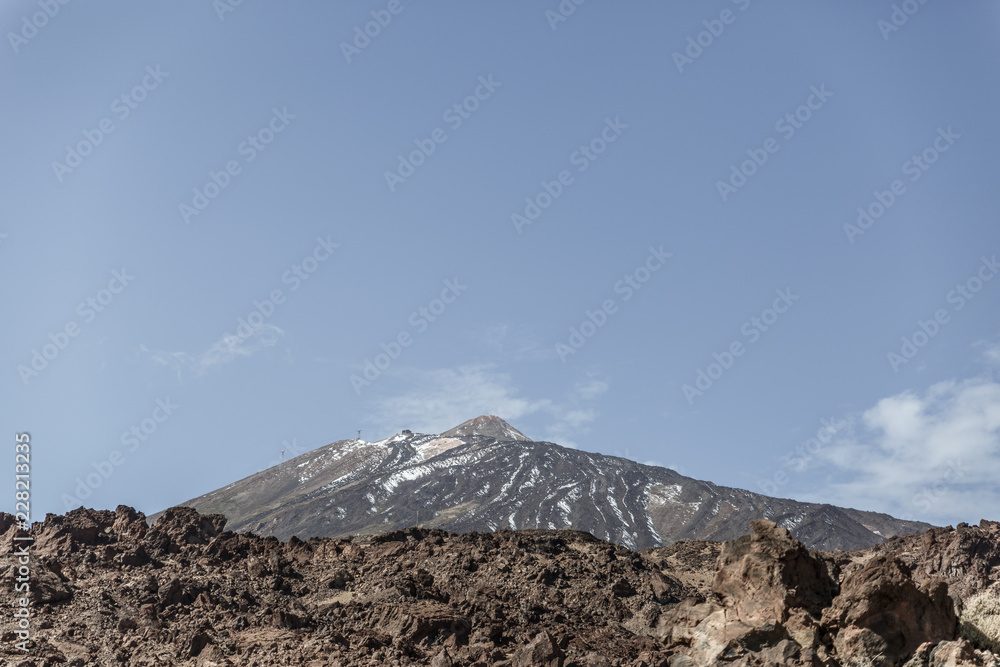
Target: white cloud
x,y
991,353
933,456
590,389
230,347
223,351
441,399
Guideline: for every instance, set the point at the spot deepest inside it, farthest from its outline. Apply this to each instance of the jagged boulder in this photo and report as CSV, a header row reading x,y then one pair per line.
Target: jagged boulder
x,y
770,592
957,653
74,530
80,529
129,524
423,619
778,601
7,522
542,651
967,557
881,611
180,527
765,575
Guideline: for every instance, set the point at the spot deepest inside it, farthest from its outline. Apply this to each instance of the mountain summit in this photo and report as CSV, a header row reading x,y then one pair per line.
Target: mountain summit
x,y
484,475
489,426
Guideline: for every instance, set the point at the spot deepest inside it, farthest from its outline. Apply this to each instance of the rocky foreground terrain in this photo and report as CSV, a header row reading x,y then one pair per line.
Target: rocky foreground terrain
x,y
108,589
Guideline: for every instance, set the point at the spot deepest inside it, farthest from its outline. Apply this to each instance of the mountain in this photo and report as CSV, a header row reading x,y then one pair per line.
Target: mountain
x,y
485,475
490,426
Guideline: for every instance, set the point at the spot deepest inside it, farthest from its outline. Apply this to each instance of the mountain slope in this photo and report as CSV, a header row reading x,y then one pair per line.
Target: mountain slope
x,y
487,425
485,475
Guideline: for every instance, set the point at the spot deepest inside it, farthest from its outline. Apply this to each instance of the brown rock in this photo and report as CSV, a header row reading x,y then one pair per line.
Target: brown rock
x,y
129,524
766,574
542,651
593,659
622,588
194,644
442,659
950,654
187,592
968,559
423,619
46,586
76,529
665,588
881,611
127,623
180,527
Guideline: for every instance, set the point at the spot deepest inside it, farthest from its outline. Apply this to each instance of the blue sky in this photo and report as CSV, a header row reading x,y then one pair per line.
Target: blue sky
x,y
216,218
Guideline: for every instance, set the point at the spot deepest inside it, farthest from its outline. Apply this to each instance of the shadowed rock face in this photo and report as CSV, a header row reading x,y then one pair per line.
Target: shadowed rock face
x,y
766,574
484,475
970,556
882,611
108,590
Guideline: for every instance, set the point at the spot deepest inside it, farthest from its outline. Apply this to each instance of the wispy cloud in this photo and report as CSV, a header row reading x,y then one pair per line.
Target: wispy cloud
x,y
223,351
515,343
931,455
990,353
442,398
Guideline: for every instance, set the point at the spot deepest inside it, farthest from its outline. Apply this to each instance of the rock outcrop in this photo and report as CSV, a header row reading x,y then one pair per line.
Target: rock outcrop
x,y
881,611
774,601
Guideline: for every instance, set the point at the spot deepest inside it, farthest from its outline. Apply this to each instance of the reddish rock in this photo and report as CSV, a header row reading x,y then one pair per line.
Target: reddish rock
x,y
882,611
766,574
542,651
109,590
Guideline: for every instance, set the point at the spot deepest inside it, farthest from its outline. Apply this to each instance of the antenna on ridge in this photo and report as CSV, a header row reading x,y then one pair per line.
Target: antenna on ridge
x,y
359,434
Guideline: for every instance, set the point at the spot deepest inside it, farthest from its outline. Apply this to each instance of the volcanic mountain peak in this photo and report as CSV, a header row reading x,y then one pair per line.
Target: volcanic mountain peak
x,y
488,425
484,475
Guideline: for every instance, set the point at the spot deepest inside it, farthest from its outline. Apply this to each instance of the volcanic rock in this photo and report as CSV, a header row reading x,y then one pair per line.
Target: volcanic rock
x,y
882,611
192,593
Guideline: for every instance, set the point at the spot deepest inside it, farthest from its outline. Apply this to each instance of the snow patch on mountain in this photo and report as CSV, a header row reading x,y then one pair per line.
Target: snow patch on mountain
x,y
437,446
